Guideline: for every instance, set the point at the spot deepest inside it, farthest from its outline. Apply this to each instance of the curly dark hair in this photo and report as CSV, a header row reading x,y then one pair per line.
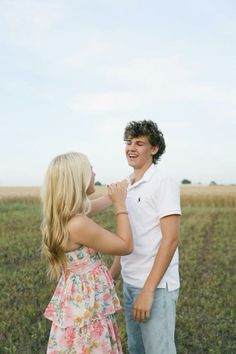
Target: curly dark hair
x,y
150,129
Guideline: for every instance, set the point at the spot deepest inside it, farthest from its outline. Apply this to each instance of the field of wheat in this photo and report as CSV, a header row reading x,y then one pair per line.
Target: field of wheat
x,y
191,195
206,312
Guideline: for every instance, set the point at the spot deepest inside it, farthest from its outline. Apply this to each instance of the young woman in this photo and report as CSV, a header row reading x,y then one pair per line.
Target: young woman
x,y
84,303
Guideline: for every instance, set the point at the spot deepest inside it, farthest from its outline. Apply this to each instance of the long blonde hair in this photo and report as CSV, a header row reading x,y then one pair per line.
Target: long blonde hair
x,y
63,195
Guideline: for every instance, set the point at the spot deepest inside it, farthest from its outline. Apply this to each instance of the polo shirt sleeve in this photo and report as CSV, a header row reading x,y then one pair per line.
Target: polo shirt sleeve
x,y
168,198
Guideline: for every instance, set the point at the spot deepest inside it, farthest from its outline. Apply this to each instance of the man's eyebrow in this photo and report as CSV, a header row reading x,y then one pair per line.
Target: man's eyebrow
x,y
138,140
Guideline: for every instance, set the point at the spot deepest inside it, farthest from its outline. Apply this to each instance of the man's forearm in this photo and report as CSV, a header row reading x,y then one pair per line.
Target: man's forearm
x,y
161,263
115,268
170,230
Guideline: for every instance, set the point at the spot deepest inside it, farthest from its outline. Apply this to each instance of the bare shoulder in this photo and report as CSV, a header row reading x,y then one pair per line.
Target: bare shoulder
x,y
84,231
77,224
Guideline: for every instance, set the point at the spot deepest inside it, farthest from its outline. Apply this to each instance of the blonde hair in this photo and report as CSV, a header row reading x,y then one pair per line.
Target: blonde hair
x,y
63,195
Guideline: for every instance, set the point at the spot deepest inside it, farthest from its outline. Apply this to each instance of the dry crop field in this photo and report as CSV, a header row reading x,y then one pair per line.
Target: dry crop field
x,y
34,192
206,312
222,195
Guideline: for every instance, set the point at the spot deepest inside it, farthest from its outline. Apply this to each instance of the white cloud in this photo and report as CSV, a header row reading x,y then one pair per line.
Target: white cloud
x,y
107,101
146,82
28,23
169,79
88,50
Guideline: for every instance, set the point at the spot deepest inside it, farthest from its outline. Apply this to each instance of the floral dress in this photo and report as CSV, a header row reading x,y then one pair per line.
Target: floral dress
x,y
82,308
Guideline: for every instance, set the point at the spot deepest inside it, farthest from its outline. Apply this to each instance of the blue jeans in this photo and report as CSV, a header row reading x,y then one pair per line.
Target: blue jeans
x,y
156,335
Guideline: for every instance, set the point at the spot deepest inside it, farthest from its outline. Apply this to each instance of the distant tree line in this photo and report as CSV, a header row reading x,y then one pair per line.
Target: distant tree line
x,y
97,183
187,181
184,181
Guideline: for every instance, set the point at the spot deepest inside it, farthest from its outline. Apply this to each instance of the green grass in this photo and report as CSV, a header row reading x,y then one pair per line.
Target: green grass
x,y
206,312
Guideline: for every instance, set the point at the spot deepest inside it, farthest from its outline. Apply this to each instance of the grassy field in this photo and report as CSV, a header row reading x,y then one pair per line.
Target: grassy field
x,y
206,312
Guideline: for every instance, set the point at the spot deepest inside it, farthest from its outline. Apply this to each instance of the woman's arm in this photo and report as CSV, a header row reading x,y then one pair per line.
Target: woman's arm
x,y
99,204
84,231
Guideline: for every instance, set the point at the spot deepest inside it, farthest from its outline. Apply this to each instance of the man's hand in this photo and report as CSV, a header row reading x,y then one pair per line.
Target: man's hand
x,y
142,306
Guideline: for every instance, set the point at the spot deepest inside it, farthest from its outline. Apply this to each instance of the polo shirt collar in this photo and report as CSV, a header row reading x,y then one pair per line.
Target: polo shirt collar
x,y
146,177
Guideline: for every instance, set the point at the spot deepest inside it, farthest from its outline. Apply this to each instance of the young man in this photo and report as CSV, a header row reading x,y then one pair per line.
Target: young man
x,y
150,273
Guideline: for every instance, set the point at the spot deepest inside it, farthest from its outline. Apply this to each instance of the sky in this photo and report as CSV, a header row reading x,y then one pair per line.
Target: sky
x,y
74,73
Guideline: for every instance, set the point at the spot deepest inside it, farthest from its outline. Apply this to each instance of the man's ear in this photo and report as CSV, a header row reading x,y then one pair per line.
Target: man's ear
x,y
154,149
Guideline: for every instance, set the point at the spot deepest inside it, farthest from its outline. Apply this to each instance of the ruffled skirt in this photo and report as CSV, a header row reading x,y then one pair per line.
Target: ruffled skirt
x,y
99,337
82,309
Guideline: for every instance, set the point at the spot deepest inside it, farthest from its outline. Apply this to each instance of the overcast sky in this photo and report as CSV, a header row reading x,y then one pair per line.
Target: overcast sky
x,y
74,73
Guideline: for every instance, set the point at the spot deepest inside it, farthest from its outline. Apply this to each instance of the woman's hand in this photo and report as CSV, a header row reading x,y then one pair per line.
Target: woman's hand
x,y
117,193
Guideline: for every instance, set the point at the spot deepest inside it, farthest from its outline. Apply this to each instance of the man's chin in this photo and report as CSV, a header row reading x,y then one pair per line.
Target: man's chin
x,y
132,163
91,191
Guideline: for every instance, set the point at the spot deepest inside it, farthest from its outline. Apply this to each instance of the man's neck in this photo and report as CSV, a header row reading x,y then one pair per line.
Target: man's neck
x,y
138,173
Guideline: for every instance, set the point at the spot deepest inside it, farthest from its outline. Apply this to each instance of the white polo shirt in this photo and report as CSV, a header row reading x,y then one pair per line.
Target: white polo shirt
x,y
148,200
